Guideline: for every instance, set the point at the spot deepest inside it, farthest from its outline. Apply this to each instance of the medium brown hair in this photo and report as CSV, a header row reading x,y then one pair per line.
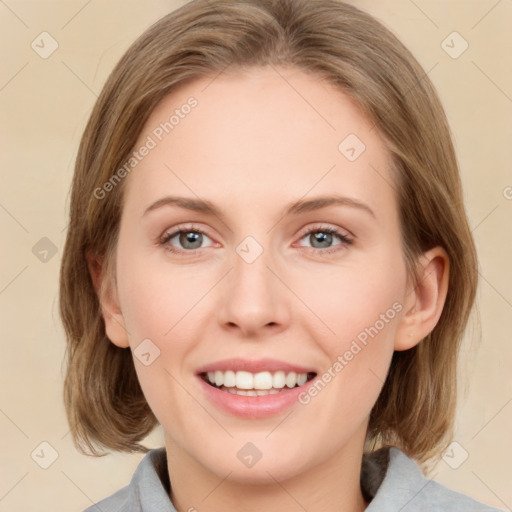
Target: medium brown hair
x,y
351,50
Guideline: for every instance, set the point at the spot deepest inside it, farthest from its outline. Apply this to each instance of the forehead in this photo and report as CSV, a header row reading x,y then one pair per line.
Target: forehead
x,y
264,133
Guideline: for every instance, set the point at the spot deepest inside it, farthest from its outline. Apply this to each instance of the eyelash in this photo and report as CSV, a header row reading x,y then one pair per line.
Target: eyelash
x,y
344,239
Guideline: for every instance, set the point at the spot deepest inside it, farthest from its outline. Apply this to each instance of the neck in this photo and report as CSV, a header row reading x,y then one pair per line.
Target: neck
x,y
331,486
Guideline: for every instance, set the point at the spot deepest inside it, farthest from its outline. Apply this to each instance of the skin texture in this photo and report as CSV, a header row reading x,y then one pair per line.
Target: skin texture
x,y
251,146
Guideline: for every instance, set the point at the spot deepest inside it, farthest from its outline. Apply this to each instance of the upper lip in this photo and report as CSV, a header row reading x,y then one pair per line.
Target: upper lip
x,y
253,366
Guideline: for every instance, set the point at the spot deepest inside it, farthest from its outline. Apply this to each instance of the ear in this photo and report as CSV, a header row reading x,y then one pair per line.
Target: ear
x,y
104,284
425,299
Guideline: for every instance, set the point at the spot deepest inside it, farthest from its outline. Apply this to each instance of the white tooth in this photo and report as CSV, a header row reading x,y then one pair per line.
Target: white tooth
x,y
229,379
273,391
278,380
263,380
262,392
251,392
302,378
231,390
241,392
291,379
244,380
219,378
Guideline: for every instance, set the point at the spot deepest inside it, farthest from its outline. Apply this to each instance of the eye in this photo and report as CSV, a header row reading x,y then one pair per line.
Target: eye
x,y
185,240
325,238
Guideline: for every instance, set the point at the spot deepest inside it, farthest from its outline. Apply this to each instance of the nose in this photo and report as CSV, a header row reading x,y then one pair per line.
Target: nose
x,y
254,300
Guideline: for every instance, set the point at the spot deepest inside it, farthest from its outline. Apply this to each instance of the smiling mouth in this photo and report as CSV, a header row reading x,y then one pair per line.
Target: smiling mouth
x,y
256,384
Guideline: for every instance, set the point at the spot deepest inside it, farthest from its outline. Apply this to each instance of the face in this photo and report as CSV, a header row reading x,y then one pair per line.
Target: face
x,y
259,238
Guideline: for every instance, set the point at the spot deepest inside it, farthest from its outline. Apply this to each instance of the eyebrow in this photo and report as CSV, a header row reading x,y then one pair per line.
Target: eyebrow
x,y
297,207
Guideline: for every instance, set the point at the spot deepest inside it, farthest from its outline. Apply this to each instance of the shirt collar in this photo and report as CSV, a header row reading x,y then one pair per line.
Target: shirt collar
x,y
382,482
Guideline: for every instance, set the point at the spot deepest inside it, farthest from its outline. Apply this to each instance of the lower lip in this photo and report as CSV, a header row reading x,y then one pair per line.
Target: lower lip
x,y
253,406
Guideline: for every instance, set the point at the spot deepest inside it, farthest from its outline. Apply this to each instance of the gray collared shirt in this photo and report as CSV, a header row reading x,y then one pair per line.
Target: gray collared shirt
x,y
403,488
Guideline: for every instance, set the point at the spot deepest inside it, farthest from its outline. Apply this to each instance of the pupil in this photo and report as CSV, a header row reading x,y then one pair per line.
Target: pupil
x,y
191,238
322,238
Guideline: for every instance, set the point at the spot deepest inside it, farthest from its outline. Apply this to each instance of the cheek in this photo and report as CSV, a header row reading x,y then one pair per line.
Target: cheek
x,y
163,305
355,315
346,301
156,298
158,305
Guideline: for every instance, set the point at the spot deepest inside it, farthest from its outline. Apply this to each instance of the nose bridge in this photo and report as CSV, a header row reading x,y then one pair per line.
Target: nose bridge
x,y
254,297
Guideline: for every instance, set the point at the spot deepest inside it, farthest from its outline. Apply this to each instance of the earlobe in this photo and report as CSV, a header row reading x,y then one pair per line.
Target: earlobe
x,y
425,299
104,284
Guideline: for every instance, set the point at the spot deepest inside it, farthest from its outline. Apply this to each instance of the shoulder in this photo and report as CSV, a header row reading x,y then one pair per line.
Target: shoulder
x,y
405,488
148,489
117,502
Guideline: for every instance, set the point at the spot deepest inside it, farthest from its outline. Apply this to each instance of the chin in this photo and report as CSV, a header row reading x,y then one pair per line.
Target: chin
x,y
248,465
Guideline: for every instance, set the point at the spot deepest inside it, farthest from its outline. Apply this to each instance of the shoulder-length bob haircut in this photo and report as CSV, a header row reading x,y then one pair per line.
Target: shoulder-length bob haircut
x,y
332,41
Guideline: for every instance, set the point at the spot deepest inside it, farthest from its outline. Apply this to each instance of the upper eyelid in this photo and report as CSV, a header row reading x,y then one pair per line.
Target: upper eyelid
x,y
308,228
185,228
305,230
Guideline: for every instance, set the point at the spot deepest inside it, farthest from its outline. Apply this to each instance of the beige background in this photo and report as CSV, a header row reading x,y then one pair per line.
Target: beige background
x,y
44,105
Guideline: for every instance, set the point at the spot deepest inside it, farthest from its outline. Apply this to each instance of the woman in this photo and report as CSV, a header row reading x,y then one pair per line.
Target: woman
x,y
268,255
